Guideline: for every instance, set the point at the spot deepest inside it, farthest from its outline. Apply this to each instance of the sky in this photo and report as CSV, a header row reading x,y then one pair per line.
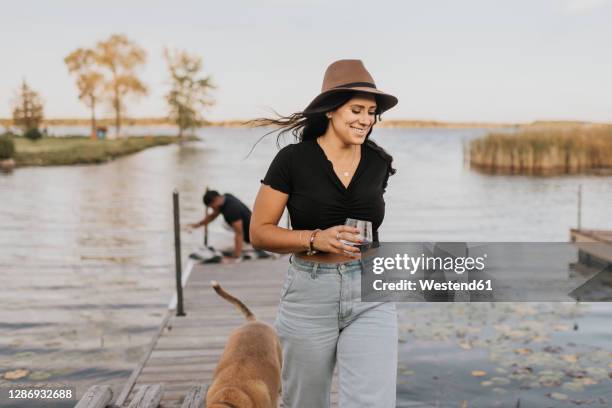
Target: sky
x,y
469,60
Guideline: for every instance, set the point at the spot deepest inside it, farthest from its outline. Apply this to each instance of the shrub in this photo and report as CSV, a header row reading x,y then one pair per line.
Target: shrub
x,y
32,134
7,147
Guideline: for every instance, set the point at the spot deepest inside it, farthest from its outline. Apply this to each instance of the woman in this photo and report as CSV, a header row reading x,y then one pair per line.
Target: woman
x,y
334,172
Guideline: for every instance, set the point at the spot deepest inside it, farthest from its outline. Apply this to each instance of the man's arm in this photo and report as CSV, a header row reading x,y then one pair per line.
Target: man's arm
x,y
238,237
207,220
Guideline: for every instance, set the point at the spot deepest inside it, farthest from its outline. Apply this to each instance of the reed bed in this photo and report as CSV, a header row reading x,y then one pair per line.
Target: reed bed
x,y
544,152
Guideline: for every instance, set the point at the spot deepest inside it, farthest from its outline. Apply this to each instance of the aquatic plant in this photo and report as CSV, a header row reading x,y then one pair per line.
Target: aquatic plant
x,y
544,151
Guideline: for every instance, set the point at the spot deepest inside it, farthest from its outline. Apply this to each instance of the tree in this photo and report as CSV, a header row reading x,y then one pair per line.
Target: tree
x,y
189,89
90,82
120,58
27,109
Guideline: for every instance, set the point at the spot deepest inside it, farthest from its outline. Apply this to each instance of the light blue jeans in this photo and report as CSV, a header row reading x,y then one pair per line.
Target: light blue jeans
x,y
321,321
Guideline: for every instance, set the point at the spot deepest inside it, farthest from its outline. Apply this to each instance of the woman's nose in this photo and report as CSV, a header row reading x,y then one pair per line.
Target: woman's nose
x,y
365,119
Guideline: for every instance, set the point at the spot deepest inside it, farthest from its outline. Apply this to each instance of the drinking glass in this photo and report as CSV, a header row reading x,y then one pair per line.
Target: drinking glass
x,y
365,233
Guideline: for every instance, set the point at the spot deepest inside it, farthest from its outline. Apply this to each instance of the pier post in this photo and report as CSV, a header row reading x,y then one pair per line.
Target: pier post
x,y
177,254
206,226
579,206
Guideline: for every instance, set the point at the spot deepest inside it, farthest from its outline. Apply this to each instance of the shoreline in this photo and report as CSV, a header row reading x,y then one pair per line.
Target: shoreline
x,y
390,123
65,151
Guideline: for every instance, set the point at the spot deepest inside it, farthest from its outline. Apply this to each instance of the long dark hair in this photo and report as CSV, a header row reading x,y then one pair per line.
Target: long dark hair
x,y
309,126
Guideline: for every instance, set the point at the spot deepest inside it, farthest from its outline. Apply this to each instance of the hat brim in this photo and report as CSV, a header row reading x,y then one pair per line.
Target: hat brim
x,y
384,100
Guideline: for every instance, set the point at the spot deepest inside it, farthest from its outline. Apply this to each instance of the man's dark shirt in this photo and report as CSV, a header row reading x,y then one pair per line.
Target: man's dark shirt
x,y
233,210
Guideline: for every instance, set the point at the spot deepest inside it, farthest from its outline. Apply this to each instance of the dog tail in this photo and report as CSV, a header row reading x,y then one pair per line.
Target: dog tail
x,y
236,302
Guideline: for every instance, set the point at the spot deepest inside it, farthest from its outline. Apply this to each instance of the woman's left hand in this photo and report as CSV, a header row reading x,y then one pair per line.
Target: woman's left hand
x,y
328,240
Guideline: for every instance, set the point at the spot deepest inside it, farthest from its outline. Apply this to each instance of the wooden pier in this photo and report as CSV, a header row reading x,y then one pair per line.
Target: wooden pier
x,y
184,352
595,246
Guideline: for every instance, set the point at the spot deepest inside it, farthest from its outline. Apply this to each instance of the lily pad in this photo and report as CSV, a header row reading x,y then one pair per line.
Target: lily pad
x,y
16,374
558,396
587,381
597,373
573,386
500,381
40,375
570,358
24,354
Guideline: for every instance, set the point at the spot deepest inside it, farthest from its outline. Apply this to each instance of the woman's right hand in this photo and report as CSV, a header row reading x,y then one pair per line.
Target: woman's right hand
x,y
328,240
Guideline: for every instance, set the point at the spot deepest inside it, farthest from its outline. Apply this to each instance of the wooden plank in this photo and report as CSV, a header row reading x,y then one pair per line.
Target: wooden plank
x,y
180,361
132,380
195,397
176,344
174,396
183,387
254,305
97,396
209,325
180,368
193,330
147,396
187,353
194,318
177,377
170,404
218,337
257,284
594,242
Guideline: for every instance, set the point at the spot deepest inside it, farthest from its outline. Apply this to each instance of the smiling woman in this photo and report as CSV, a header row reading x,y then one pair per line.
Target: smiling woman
x,y
333,173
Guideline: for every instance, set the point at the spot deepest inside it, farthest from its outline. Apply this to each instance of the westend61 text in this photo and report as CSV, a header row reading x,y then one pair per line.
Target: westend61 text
x,y
429,284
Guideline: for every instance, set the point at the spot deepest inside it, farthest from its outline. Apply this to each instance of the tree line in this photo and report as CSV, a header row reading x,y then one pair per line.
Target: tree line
x,y
107,73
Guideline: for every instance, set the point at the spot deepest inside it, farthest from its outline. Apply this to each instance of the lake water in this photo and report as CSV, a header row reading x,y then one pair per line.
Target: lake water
x,y
86,260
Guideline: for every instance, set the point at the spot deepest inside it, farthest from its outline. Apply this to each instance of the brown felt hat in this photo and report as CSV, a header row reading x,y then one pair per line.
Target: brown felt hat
x,y
350,75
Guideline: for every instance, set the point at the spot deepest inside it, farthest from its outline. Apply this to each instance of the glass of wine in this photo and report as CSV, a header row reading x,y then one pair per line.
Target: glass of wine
x,y
365,233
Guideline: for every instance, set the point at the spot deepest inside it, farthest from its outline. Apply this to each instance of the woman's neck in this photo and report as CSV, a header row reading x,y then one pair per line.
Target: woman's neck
x,y
335,147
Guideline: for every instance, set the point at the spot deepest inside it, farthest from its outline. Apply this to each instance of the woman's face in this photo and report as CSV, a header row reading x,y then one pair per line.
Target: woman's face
x,y
352,121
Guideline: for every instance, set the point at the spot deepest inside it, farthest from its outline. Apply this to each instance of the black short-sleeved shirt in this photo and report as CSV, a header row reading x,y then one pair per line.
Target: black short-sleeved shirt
x,y
233,210
317,197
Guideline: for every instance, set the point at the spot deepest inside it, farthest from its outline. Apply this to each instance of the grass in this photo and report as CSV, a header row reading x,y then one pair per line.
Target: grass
x,y
544,152
57,151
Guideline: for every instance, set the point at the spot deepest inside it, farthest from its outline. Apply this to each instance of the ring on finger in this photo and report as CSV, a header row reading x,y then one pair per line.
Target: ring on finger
x,y
338,235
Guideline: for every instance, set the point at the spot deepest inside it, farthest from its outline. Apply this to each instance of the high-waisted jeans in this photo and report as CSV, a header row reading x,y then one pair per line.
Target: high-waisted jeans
x,y
321,320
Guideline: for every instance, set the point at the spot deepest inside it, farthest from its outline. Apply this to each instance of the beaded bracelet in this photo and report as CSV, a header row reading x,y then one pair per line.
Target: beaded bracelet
x,y
311,250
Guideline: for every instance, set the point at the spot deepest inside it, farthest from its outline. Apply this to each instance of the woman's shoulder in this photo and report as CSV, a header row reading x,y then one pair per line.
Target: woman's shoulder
x,y
296,150
285,152
375,153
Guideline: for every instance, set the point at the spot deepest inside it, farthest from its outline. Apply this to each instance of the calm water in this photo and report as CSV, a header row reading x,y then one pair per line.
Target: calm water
x,y
86,262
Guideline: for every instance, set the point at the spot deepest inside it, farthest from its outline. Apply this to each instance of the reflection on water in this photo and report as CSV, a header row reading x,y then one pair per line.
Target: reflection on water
x,y
86,251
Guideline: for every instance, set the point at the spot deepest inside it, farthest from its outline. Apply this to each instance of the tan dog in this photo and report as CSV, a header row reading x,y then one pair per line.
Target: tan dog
x,y
248,373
